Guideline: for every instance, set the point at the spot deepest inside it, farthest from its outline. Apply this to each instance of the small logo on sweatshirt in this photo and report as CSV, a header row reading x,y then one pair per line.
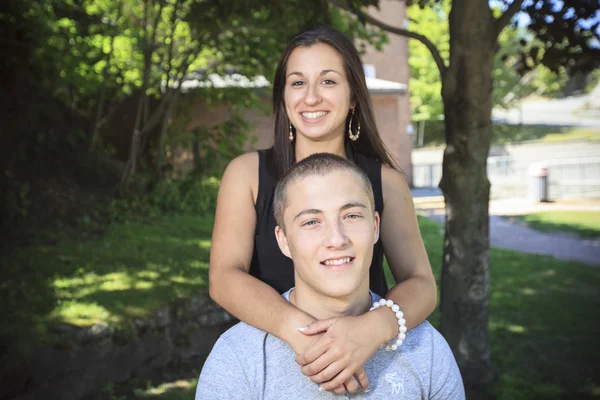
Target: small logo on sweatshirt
x,y
396,383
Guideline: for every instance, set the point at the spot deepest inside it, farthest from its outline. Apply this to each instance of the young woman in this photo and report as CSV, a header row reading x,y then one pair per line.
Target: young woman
x,y
320,104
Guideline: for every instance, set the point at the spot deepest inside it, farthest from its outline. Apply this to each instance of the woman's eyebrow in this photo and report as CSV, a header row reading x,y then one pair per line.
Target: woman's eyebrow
x,y
324,72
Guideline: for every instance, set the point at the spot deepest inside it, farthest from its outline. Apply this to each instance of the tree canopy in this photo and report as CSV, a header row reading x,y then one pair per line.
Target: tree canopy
x,y
519,68
91,55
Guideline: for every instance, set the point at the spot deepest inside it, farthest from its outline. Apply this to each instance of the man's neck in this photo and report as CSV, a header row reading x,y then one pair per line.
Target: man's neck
x,y
321,307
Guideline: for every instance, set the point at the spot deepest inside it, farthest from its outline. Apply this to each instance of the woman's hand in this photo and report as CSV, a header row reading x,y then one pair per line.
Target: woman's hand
x,y
337,358
304,343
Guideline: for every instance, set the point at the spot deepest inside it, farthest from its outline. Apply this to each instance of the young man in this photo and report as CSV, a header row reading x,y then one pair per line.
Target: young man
x,y
327,225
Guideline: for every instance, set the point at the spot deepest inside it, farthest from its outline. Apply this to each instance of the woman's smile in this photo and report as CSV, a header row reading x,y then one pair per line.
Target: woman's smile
x,y
313,117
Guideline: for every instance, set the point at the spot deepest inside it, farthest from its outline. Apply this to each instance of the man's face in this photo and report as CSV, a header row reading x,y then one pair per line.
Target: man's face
x,y
330,230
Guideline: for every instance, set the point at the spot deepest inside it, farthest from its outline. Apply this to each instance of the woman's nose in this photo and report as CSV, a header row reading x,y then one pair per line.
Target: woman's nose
x,y
313,96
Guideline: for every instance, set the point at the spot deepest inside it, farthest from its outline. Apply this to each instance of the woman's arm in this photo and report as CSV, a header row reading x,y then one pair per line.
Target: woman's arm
x,y
231,286
415,290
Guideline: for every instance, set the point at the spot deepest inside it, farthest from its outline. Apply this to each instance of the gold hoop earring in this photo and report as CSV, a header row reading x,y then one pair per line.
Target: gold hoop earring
x,y
352,136
291,137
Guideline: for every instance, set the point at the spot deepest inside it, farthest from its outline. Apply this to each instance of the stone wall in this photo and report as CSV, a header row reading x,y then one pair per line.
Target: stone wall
x,y
95,355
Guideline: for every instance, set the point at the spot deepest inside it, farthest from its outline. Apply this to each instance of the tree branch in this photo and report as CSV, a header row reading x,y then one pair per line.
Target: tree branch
x,y
156,22
505,18
171,92
156,114
174,23
112,111
439,61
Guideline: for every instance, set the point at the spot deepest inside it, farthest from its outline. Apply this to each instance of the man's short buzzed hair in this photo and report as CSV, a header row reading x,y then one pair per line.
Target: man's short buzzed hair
x,y
316,164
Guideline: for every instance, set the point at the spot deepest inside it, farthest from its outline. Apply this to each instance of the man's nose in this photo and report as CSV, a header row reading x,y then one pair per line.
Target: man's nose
x,y
336,235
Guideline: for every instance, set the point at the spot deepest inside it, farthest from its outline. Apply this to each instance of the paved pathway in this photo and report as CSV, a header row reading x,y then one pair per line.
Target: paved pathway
x,y
508,233
515,236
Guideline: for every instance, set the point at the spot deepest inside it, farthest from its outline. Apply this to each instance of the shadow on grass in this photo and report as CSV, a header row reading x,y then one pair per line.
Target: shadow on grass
x,y
543,326
544,322
131,272
177,389
178,381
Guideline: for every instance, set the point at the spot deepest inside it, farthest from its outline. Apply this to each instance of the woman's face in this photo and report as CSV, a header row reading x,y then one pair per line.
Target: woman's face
x,y
317,93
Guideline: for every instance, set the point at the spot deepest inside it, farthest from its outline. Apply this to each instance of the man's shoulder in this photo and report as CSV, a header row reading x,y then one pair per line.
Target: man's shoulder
x,y
424,328
421,342
233,366
240,345
243,335
433,358
423,336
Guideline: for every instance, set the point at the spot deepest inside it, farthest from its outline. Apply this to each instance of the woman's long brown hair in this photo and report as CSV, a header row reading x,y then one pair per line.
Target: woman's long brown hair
x,y
282,155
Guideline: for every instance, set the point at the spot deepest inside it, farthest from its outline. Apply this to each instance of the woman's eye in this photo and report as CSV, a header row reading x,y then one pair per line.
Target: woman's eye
x,y
329,82
297,83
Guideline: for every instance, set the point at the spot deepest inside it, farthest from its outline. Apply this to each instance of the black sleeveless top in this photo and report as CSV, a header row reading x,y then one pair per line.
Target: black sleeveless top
x,y
268,262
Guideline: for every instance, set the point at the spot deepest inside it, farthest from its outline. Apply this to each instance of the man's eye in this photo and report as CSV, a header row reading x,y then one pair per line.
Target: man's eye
x,y
353,216
312,222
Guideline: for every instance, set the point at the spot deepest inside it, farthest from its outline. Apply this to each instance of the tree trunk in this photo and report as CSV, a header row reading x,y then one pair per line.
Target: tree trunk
x,y
467,95
141,118
196,147
95,132
131,166
163,132
100,111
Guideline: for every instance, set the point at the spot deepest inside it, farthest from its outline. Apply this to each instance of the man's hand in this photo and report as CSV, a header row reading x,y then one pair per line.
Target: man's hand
x,y
338,356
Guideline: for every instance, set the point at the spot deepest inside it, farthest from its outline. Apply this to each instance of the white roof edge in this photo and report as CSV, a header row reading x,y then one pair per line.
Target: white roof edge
x,y
375,86
217,81
381,86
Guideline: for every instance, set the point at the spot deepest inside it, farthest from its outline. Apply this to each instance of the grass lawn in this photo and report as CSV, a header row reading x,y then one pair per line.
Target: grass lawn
x,y
573,134
133,270
582,223
544,321
545,134
503,134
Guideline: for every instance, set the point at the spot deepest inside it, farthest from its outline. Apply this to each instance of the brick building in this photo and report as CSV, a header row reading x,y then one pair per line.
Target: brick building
x,y
387,77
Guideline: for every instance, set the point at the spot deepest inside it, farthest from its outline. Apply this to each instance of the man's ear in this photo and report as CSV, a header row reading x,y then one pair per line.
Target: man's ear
x,y
376,222
282,242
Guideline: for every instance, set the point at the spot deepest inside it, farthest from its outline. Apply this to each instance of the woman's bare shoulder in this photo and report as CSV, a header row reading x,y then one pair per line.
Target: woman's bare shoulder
x,y
244,166
243,170
391,177
245,162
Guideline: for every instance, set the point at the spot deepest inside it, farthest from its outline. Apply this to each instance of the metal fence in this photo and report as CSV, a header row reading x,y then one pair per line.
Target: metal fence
x,y
426,175
567,178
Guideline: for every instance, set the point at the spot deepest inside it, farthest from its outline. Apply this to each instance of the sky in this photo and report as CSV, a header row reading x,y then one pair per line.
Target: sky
x,y
523,19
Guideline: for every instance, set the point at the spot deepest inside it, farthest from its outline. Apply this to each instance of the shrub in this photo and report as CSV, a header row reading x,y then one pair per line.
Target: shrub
x,y
191,195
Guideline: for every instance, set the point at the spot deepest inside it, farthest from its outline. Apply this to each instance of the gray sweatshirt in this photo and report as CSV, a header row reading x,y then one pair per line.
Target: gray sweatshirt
x,y
247,363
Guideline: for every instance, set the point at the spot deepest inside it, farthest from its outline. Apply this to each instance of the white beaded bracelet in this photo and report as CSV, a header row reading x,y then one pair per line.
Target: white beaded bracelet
x,y
401,323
